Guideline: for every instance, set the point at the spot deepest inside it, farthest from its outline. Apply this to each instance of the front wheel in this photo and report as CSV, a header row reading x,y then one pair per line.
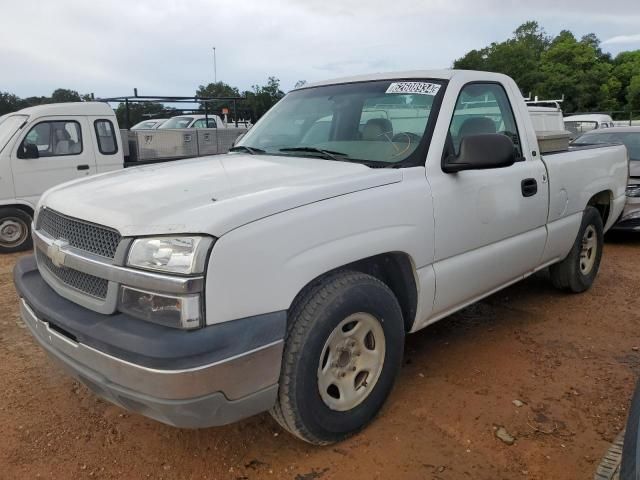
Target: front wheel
x,y
343,350
15,230
577,272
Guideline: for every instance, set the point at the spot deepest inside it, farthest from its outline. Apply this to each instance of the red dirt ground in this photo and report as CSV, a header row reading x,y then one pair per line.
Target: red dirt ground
x,y
572,360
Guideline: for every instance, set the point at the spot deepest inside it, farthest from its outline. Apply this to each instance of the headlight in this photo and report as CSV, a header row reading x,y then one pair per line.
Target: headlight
x,y
184,255
633,191
171,311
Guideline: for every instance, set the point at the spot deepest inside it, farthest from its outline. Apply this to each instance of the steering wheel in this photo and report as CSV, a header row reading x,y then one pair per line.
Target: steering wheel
x,y
407,137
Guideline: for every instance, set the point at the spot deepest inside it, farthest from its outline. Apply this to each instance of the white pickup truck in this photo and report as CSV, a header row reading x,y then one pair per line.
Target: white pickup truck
x,y
284,276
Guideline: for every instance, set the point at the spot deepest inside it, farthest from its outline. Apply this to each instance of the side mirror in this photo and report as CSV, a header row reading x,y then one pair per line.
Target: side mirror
x,y
483,151
28,151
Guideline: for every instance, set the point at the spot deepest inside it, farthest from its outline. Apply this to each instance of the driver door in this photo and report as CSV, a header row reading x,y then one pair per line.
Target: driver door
x,y
64,152
489,224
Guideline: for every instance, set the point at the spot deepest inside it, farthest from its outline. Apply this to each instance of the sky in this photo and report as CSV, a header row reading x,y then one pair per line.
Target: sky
x,y
165,47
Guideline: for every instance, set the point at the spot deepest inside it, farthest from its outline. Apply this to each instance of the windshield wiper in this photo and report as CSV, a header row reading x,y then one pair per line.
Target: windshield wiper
x,y
330,154
244,148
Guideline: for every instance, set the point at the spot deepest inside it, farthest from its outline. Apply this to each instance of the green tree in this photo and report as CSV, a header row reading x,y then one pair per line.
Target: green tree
x,y
9,103
219,89
633,93
262,98
577,69
517,56
63,95
139,112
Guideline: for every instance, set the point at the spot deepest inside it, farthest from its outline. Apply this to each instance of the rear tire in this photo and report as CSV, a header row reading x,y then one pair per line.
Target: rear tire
x,y
15,230
343,351
577,272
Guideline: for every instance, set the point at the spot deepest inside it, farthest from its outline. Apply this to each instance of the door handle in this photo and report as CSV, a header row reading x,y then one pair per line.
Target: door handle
x,y
529,187
83,167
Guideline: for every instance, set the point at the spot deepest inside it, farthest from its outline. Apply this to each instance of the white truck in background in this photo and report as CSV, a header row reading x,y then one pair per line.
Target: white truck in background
x,y
46,145
285,275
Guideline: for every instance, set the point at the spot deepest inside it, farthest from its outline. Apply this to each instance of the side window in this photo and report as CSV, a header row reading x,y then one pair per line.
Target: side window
x,y
52,139
106,135
202,123
482,108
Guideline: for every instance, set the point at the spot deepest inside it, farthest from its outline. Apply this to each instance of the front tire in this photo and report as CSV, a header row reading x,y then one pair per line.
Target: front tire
x,y
577,272
15,230
343,351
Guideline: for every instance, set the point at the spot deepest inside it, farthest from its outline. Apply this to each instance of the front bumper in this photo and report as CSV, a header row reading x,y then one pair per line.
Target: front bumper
x,y
186,379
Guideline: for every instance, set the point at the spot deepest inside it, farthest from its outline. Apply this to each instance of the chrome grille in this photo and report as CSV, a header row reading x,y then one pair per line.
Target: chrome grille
x,y
82,235
83,282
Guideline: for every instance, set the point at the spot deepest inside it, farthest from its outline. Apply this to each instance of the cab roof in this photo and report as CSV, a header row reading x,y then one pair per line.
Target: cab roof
x,y
71,108
442,74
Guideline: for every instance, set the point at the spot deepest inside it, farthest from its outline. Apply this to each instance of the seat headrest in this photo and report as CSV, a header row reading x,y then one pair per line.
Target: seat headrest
x,y
375,128
476,126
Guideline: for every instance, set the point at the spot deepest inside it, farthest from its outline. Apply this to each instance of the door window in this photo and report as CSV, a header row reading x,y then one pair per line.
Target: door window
x,y
106,135
482,108
203,123
52,139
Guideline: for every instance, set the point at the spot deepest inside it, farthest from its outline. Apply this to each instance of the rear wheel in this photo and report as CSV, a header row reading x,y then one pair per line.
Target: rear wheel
x,y
577,272
15,230
343,351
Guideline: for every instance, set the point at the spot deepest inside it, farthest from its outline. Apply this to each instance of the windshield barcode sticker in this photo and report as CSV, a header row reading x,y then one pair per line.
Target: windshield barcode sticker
x,y
421,88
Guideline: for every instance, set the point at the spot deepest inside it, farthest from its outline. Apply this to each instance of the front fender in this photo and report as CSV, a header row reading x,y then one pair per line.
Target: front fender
x,y
262,266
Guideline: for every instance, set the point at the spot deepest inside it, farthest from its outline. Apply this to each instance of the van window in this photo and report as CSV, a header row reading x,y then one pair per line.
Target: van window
x,y
482,108
53,139
106,135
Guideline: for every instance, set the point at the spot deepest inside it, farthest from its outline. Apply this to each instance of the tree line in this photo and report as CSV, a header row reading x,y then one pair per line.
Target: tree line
x,y
551,66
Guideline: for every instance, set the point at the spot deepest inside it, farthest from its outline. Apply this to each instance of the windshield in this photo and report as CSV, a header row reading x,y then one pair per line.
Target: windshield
x,y
145,125
631,140
8,128
580,127
379,121
177,122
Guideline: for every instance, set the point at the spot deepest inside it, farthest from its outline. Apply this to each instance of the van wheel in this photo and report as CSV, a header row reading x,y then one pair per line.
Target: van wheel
x,y
577,272
343,350
15,230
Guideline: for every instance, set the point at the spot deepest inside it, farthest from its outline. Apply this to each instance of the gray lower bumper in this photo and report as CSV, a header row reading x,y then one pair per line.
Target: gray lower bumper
x,y
210,376
190,398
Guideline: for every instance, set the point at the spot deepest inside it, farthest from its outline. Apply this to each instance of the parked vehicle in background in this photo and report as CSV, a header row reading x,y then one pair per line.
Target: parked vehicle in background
x,y
149,124
46,145
193,121
579,124
284,276
630,138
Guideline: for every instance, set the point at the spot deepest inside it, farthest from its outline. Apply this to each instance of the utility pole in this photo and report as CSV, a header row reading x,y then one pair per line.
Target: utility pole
x,y
215,70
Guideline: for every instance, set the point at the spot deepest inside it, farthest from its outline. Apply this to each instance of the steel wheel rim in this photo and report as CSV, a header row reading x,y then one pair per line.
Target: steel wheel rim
x,y
13,231
351,362
589,250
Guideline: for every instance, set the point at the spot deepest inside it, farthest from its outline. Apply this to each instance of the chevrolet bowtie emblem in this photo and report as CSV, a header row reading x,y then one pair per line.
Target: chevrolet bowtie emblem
x,y
55,252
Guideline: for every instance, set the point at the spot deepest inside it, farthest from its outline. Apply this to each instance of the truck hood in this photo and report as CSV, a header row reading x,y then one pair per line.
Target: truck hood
x,y
210,194
634,169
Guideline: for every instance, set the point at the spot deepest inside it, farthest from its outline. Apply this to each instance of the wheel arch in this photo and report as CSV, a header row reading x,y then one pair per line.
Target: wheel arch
x,y
602,202
394,269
